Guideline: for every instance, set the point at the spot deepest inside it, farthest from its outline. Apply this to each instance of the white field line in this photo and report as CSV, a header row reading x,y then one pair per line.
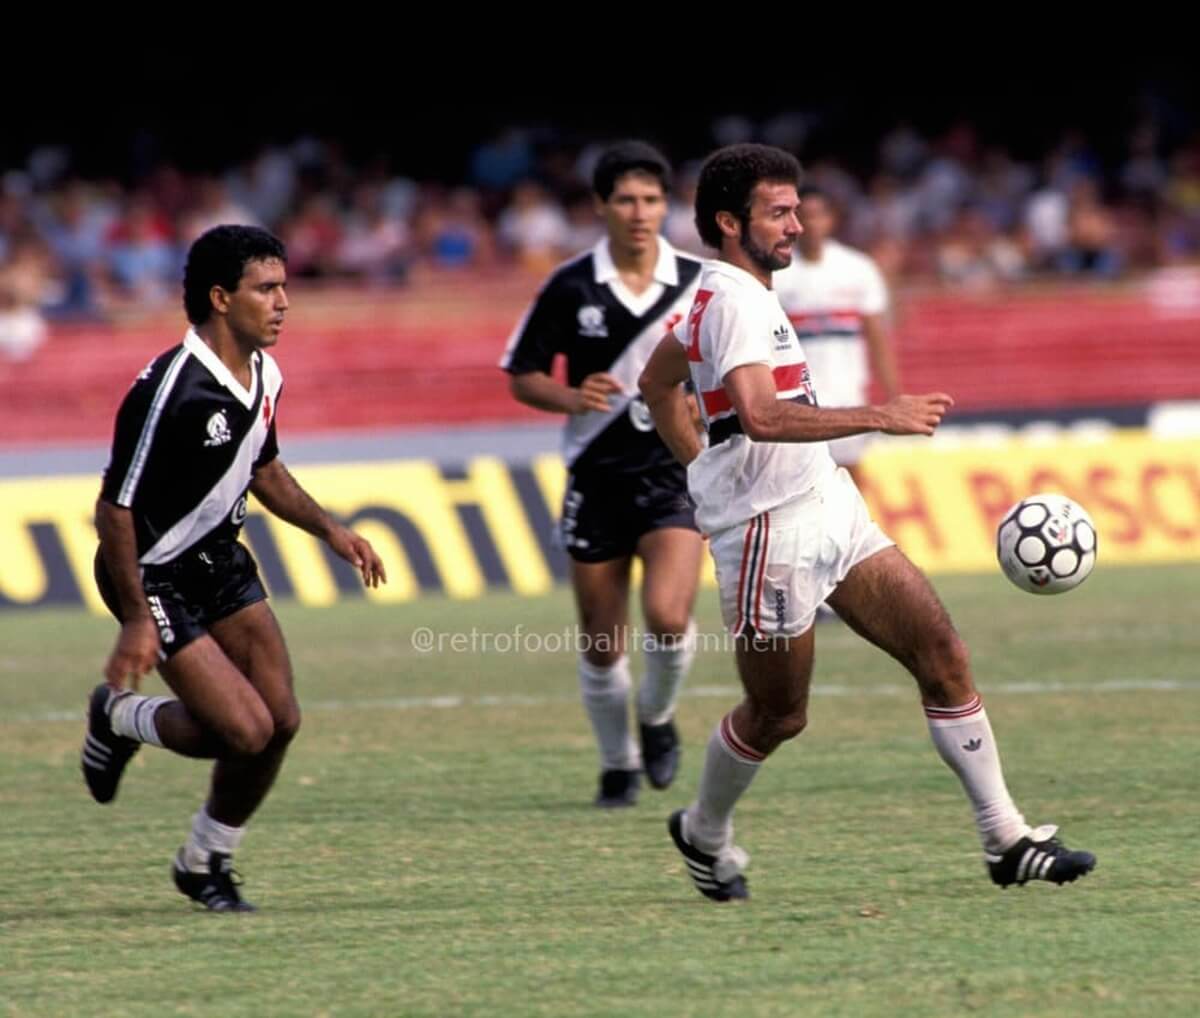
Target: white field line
x,y
454,701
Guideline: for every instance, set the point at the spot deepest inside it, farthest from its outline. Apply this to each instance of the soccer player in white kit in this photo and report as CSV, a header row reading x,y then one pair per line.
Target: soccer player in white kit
x,y
788,529
837,301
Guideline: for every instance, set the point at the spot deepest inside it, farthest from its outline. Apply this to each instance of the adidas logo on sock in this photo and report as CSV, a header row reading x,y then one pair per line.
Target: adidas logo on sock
x,y
971,745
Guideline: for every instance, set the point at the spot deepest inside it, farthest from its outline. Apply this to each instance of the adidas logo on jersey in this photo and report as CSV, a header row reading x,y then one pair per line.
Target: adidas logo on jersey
x,y
783,337
218,430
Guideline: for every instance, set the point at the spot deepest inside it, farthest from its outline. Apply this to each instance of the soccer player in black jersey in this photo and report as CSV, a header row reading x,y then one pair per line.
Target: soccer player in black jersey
x,y
604,312
194,435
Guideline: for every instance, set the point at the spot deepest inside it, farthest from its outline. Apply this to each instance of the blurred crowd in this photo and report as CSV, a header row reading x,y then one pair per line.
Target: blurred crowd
x,y
946,209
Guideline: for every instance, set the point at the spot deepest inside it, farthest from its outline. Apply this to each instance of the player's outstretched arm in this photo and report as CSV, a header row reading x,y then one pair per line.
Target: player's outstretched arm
x,y
136,649
661,384
278,490
766,418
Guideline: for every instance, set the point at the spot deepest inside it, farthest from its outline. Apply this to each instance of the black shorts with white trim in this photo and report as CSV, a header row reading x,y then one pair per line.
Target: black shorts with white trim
x,y
604,516
186,596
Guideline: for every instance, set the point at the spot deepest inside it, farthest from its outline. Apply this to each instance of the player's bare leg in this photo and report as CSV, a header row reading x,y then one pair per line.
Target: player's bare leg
x,y
891,603
602,597
254,643
775,674
671,558
215,712
237,681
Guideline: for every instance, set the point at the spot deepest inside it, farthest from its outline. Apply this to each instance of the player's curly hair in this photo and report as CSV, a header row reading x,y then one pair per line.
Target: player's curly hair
x,y
727,181
218,258
629,157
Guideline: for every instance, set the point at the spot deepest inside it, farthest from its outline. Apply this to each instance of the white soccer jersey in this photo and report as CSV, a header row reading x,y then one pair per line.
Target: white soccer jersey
x,y
826,301
735,320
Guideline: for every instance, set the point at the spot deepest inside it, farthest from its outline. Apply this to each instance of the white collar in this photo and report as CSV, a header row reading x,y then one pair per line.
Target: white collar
x,y
737,272
666,270
207,356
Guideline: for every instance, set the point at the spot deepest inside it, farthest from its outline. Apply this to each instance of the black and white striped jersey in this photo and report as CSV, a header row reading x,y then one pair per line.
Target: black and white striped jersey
x,y
585,313
187,440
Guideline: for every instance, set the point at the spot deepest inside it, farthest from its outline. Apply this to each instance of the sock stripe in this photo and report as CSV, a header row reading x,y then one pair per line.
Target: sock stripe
x,y
736,746
963,710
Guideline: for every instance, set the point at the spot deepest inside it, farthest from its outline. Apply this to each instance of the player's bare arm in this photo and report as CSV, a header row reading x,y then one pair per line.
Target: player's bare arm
x,y
279,492
661,384
765,418
136,649
882,355
538,390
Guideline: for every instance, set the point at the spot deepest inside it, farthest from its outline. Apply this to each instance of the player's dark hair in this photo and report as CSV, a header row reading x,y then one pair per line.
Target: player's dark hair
x,y
629,157
219,258
727,181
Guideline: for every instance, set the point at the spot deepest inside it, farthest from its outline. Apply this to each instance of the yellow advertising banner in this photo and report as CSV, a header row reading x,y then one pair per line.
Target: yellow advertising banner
x,y
942,505
488,524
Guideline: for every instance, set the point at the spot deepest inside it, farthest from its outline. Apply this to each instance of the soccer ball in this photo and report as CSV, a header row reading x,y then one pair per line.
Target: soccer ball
x,y
1046,544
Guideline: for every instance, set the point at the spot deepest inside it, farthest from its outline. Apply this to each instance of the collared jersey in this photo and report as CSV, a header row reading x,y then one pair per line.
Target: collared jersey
x,y
736,321
585,313
187,440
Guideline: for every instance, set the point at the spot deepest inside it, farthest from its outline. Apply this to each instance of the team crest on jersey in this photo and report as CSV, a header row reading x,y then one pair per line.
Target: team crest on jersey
x,y
639,415
591,322
218,430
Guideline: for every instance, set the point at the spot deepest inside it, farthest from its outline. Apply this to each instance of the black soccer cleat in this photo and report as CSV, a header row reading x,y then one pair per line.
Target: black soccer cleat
x,y
618,789
703,868
660,753
1039,856
217,890
105,753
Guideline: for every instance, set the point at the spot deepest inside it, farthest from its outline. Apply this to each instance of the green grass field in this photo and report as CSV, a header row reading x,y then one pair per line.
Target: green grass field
x,y
431,850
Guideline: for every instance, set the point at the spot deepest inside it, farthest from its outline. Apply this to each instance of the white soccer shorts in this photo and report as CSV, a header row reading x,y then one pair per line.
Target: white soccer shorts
x,y
774,570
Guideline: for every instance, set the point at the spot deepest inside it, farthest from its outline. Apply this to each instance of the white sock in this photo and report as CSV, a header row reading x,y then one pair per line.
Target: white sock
x,y
605,694
963,738
729,767
667,662
208,835
132,716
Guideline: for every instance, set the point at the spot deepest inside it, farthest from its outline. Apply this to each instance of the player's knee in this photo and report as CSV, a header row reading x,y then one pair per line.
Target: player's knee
x,y
664,623
251,734
287,725
791,725
777,728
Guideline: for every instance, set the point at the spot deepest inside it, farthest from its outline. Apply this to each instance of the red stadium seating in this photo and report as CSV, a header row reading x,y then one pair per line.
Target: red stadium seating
x,y
426,356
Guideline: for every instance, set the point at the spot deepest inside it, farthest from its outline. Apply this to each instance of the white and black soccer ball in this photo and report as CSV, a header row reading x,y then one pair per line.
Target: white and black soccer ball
x,y
1046,544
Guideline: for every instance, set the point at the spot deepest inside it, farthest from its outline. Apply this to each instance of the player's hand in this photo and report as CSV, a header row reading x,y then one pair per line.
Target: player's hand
x,y
134,655
914,415
595,390
359,553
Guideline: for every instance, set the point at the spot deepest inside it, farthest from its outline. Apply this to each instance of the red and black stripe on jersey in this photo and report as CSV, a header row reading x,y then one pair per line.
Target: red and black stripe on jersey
x,y
185,446
581,319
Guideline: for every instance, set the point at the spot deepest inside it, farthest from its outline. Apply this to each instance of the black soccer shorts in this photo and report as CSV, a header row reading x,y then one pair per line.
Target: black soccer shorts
x,y
604,516
186,596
